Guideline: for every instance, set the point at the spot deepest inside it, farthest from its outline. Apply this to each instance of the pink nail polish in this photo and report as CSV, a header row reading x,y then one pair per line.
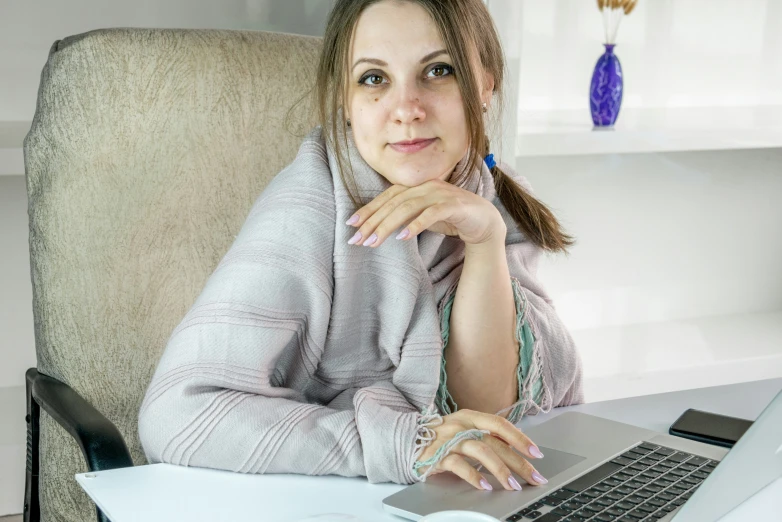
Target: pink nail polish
x,y
353,220
355,239
370,240
403,234
535,452
537,477
514,484
485,485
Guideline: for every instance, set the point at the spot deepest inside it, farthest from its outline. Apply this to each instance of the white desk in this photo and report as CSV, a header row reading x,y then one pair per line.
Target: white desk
x,y
163,492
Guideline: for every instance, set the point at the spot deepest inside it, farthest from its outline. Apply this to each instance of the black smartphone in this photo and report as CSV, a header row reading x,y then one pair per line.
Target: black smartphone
x,y
710,428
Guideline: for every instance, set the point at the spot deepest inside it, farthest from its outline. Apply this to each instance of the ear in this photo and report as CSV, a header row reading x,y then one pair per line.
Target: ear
x,y
487,86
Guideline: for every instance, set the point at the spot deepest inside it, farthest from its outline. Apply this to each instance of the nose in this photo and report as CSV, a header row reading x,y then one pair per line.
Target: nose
x,y
408,106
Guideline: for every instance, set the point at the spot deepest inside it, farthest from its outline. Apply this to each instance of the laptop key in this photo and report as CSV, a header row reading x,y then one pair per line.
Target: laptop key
x,y
536,506
665,451
532,514
549,517
513,518
562,494
634,484
679,456
586,481
634,499
648,445
604,517
623,490
613,495
631,455
648,508
551,501
622,461
675,490
697,461
625,506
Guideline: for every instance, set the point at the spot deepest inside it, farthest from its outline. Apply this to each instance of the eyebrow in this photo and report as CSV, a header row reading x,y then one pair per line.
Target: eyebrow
x,y
384,64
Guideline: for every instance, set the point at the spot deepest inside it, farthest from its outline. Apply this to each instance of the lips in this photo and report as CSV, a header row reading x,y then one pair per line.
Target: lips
x,y
410,146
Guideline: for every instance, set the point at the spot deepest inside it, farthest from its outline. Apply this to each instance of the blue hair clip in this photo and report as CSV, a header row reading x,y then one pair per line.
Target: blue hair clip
x,y
490,161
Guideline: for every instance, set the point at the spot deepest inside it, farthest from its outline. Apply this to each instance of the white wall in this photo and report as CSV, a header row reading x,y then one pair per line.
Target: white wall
x,y
673,53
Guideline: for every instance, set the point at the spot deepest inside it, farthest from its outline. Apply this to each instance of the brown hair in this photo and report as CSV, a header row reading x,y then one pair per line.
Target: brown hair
x,y
464,25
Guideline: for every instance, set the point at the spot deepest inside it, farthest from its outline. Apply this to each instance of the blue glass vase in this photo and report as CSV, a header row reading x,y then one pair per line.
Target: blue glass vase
x,y
605,93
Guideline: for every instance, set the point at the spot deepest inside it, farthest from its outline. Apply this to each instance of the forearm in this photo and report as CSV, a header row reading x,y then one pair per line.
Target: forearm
x,y
482,353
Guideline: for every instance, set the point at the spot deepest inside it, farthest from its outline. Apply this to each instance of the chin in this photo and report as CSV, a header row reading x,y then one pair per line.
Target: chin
x,y
412,175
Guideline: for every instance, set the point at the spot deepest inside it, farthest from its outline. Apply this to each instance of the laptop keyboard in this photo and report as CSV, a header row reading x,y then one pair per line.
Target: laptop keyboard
x,y
643,484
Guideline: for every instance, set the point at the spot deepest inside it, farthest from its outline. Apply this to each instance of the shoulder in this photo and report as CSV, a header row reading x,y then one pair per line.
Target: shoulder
x,y
303,190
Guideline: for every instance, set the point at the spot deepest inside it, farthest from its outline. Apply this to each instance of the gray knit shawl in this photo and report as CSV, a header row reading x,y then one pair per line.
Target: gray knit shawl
x,y
306,355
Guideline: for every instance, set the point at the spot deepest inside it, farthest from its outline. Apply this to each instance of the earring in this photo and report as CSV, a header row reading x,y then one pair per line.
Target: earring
x,y
484,107
348,122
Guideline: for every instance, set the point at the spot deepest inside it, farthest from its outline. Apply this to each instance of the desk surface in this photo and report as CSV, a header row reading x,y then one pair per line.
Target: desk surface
x,y
162,492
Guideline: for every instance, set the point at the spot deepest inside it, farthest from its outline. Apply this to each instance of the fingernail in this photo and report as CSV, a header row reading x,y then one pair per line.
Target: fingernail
x,y
403,234
539,478
514,484
370,240
353,240
485,485
535,452
353,220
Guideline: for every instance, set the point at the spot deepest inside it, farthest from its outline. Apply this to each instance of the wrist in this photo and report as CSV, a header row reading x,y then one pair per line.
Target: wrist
x,y
494,243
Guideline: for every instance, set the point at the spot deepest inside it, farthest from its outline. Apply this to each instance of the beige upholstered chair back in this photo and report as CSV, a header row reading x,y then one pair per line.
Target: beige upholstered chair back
x,y
146,153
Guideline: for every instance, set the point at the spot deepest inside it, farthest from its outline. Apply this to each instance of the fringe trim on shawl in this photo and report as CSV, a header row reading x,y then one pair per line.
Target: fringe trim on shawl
x,y
534,393
426,435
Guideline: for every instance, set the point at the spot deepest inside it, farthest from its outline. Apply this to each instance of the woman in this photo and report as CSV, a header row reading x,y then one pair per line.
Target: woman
x,y
378,315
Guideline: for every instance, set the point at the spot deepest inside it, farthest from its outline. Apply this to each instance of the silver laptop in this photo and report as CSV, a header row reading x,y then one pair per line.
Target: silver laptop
x,y
602,471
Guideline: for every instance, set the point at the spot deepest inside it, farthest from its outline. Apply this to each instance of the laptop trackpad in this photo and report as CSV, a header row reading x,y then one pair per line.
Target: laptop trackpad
x,y
554,462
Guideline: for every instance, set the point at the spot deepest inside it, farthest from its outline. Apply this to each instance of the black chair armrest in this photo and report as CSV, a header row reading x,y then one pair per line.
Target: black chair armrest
x,y
100,441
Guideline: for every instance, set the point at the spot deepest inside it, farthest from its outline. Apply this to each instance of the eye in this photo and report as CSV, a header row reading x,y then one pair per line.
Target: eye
x,y
367,77
442,67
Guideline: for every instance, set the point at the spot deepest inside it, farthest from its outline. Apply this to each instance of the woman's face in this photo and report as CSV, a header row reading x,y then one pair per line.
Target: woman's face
x,y
412,95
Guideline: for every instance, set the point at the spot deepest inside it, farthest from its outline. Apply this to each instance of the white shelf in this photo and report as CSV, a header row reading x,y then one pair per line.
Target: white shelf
x,y
641,359
570,132
12,135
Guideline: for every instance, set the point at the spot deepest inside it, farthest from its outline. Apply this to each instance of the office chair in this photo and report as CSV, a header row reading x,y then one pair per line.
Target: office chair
x,y
147,150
